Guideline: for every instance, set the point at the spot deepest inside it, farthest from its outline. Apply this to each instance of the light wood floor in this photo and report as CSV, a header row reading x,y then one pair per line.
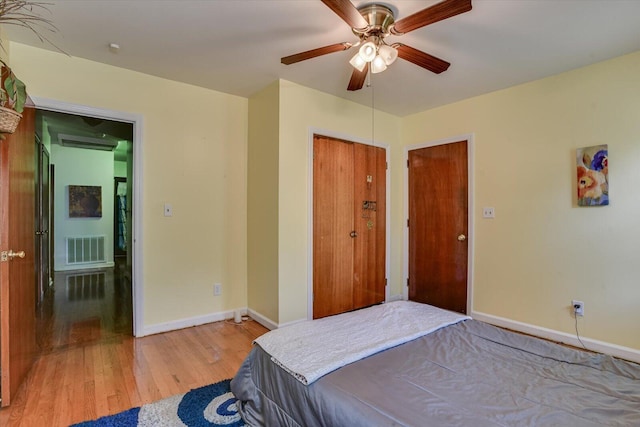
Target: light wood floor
x,y
91,366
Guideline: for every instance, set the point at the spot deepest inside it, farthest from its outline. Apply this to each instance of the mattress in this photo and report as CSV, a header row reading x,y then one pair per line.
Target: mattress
x,y
466,374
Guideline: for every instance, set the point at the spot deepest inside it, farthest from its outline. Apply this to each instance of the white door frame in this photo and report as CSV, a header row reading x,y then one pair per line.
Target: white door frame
x,y
136,229
387,260
470,209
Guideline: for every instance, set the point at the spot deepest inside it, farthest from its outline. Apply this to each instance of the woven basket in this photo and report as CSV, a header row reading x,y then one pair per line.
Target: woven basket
x,y
9,120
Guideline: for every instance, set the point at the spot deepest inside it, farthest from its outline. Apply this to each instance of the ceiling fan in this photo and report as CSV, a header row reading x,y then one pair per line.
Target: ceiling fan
x,y
372,23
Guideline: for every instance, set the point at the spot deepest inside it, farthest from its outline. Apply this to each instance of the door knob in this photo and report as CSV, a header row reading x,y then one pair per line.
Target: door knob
x,y
462,238
12,254
353,234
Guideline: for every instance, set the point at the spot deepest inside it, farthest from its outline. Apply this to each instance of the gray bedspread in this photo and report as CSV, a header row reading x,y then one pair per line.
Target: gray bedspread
x,y
468,374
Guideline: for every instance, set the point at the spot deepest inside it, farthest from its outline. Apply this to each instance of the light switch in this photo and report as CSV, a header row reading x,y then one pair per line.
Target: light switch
x,y
168,209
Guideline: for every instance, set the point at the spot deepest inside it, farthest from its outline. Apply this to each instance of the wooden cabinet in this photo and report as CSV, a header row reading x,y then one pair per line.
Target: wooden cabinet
x,y
349,230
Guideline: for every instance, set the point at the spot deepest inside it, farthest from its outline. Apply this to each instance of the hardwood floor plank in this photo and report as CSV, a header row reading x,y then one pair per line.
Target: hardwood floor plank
x,y
91,367
89,407
74,382
100,402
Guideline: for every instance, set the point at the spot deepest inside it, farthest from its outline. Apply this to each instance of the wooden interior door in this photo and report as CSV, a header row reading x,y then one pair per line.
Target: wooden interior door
x,y
349,193
43,205
17,275
438,221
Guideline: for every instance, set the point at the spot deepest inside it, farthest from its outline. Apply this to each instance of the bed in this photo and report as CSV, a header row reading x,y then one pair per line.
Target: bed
x,y
460,373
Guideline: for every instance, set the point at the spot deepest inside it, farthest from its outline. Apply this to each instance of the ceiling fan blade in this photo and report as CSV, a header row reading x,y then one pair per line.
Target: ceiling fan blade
x,y
348,12
292,59
421,59
435,13
357,78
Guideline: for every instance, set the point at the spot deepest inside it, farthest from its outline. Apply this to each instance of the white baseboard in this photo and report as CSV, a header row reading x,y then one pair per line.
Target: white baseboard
x,y
263,320
626,353
268,323
174,325
397,297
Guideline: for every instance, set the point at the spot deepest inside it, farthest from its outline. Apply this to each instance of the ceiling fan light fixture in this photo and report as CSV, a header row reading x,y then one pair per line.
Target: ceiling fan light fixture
x,y
368,51
357,62
371,23
378,65
389,54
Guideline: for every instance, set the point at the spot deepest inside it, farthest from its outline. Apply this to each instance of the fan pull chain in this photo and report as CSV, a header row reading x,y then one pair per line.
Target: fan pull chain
x,y
373,140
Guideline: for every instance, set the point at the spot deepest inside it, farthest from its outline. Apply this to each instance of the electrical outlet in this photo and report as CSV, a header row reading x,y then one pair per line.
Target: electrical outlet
x,y
578,307
488,212
217,289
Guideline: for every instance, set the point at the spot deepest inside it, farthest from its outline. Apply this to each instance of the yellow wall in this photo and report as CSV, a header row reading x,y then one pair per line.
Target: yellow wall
x,y
302,110
541,251
194,157
262,202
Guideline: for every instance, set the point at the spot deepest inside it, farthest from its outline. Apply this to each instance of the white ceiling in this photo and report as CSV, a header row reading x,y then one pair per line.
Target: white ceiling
x,y
235,46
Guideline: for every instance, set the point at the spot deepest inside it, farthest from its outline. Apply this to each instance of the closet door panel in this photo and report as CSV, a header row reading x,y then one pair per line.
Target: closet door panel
x,y
369,220
332,226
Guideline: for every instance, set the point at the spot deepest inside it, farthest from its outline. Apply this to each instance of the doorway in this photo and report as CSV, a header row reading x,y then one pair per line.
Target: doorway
x,y
91,293
349,225
126,162
438,224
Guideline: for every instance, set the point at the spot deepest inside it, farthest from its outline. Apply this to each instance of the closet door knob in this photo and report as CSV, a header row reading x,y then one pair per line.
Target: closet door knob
x,y
11,254
353,234
462,238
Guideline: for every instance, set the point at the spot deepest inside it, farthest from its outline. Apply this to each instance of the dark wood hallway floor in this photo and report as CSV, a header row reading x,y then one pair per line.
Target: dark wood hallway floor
x,y
86,306
92,366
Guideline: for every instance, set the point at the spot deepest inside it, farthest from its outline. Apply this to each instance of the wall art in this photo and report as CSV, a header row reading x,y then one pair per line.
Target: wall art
x,y
85,201
593,175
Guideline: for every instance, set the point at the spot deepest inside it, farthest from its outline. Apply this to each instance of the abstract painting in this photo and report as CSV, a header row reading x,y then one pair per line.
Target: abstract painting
x,y
85,201
593,175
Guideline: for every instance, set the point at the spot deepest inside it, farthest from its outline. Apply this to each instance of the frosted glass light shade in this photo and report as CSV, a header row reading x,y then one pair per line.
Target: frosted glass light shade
x,y
388,53
357,62
368,51
378,65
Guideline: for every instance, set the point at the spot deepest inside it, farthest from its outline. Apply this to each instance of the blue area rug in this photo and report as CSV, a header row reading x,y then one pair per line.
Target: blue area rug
x,y
212,406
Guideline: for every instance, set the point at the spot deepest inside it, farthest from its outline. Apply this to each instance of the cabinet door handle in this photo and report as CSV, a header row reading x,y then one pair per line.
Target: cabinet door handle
x,y
353,234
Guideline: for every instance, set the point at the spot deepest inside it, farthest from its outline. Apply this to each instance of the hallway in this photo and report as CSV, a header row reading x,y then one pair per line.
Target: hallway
x,y
91,365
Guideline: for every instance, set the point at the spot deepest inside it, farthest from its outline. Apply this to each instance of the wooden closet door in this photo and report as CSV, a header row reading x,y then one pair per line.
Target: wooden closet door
x,y
349,230
332,225
369,219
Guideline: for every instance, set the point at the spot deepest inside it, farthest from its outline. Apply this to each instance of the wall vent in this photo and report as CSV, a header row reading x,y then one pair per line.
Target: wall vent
x,y
87,142
85,250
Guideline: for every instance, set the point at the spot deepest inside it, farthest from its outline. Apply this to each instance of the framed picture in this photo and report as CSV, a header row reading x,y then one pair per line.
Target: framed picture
x,y
85,201
593,175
